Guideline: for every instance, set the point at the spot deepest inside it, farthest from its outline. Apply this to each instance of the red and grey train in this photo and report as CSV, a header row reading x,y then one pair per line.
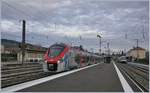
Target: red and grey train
x,y
62,57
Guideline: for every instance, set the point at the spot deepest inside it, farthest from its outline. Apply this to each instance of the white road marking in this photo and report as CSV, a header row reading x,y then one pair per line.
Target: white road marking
x,y
38,81
124,83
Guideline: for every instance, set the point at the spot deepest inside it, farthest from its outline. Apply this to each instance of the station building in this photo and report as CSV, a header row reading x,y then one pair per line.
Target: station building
x,y
137,52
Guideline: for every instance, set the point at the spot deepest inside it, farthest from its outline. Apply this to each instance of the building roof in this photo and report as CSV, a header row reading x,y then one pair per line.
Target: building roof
x,y
138,48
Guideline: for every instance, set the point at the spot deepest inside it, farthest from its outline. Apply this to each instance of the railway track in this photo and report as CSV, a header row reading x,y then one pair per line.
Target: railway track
x,y
138,74
12,74
141,68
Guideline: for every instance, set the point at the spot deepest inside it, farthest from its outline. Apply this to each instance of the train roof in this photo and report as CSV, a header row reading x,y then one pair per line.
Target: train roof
x,y
59,44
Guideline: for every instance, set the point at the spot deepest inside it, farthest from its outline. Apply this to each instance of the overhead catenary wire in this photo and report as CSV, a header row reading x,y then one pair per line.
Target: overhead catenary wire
x,y
19,11
22,14
9,36
37,11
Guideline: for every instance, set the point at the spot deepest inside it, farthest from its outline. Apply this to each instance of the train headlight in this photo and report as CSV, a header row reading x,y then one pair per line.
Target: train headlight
x,y
45,61
58,61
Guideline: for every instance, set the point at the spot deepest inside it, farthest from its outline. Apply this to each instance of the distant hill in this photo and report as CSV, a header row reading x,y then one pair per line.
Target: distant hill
x,y
16,44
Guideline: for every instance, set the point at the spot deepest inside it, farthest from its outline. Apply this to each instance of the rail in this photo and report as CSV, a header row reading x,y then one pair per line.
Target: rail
x,y
139,75
12,74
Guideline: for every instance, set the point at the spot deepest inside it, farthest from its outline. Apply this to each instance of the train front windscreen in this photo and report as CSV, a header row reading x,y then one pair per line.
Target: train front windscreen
x,y
55,50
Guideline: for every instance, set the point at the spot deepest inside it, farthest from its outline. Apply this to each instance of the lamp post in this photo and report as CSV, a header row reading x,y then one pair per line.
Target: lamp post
x,y
100,42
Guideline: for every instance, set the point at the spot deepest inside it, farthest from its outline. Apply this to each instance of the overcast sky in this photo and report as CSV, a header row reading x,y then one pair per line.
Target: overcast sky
x,y
50,21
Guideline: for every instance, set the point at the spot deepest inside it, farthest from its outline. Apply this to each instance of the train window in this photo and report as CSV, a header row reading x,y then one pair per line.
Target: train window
x,y
55,50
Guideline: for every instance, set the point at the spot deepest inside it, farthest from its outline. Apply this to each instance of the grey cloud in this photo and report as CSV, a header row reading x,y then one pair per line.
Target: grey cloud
x,y
111,18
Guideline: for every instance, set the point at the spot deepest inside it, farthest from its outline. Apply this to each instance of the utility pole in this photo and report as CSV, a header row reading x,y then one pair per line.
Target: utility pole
x,y
23,40
81,47
108,49
137,45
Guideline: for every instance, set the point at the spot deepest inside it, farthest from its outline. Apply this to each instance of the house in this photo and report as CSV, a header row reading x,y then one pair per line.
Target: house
x,y
137,53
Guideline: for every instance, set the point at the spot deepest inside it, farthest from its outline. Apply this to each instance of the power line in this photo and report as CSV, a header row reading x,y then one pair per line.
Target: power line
x,y
16,36
38,12
25,15
17,9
